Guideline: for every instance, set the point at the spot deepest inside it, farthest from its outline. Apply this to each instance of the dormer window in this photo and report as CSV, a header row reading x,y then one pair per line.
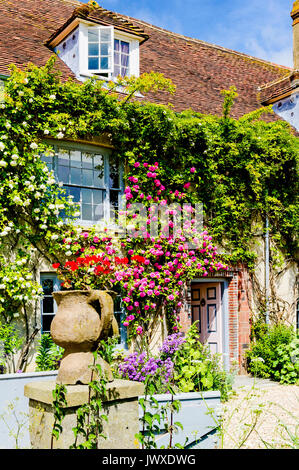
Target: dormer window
x,y
100,49
121,58
95,41
109,53
93,49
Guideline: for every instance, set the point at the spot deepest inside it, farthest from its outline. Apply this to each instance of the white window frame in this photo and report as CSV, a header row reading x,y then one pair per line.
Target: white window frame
x,y
115,34
106,153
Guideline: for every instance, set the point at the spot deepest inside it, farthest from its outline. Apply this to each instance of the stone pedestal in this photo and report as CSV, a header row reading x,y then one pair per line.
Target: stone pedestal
x,y
121,408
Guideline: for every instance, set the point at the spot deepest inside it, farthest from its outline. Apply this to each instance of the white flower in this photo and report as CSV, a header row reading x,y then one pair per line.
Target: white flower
x,y
51,206
13,163
3,163
17,200
43,227
2,286
2,146
46,131
54,237
25,81
68,253
15,156
60,135
36,210
33,145
7,125
21,93
38,195
52,97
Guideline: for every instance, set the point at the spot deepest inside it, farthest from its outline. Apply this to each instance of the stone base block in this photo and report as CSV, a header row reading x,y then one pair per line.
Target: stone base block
x,y
121,408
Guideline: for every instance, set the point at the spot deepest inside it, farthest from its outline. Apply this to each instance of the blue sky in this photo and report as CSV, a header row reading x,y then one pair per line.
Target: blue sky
x,y
261,28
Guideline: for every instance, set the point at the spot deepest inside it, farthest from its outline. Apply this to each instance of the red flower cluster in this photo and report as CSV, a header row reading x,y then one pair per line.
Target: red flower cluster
x,y
138,258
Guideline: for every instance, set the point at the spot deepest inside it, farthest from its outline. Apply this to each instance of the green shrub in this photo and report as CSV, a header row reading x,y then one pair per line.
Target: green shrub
x,y
272,352
49,354
287,362
196,369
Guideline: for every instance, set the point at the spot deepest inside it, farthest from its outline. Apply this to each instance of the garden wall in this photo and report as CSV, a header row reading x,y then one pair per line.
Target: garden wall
x,y
14,408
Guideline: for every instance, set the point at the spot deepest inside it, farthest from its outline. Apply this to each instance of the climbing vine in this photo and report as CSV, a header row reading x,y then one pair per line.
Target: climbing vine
x,y
240,170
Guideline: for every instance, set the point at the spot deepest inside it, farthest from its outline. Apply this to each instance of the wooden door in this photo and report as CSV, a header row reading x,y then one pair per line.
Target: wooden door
x,y
206,309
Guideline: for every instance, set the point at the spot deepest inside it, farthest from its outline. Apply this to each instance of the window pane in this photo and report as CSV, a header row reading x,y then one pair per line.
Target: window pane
x,y
93,63
76,193
105,35
116,70
114,198
93,49
124,72
97,196
125,61
114,176
87,177
86,212
63,174
125,47
75,175
47,320
98,212
87,160
93,36
104,49
48,305
47,285
104,63
87,196
48,161
75,157
116,45
63,157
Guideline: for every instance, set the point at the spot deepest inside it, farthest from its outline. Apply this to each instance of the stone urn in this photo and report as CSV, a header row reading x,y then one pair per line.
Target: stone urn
x,y
83,318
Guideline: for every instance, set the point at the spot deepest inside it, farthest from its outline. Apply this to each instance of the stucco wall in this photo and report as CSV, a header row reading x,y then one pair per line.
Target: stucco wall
x,y
288,109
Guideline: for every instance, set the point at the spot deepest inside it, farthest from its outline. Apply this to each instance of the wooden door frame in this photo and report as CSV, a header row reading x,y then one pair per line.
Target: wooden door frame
x,y
225,316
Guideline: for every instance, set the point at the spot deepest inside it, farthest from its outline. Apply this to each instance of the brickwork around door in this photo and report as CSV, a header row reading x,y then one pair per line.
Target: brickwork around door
x,y
238,314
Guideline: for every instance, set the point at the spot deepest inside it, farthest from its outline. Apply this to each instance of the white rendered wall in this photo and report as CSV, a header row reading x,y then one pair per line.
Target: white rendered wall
x,y
288,109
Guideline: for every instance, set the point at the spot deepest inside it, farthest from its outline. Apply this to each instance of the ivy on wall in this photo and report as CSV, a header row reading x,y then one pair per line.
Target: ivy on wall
x,y
242,170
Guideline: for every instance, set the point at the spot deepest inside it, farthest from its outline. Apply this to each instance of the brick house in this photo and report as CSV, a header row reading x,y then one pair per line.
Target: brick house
x,y
93,41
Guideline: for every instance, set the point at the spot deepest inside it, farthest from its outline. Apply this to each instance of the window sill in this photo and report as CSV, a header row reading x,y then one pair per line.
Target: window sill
x,y
119,89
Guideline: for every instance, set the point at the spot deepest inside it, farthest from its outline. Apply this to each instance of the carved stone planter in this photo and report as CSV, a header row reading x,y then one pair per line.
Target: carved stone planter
x,y
83,319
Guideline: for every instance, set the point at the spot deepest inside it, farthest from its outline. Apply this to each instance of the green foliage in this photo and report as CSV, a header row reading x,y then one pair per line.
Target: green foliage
x,y
157,418
48,354
59,411
10,342
245,168
106,349
286,365
274,352
196,369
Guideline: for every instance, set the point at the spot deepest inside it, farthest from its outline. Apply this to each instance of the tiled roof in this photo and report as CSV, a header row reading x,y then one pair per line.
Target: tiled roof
x,y
200,70
274,91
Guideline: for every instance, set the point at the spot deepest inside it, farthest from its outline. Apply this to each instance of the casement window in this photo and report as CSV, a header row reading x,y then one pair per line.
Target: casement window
x,y
91,177
50,283
106,52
